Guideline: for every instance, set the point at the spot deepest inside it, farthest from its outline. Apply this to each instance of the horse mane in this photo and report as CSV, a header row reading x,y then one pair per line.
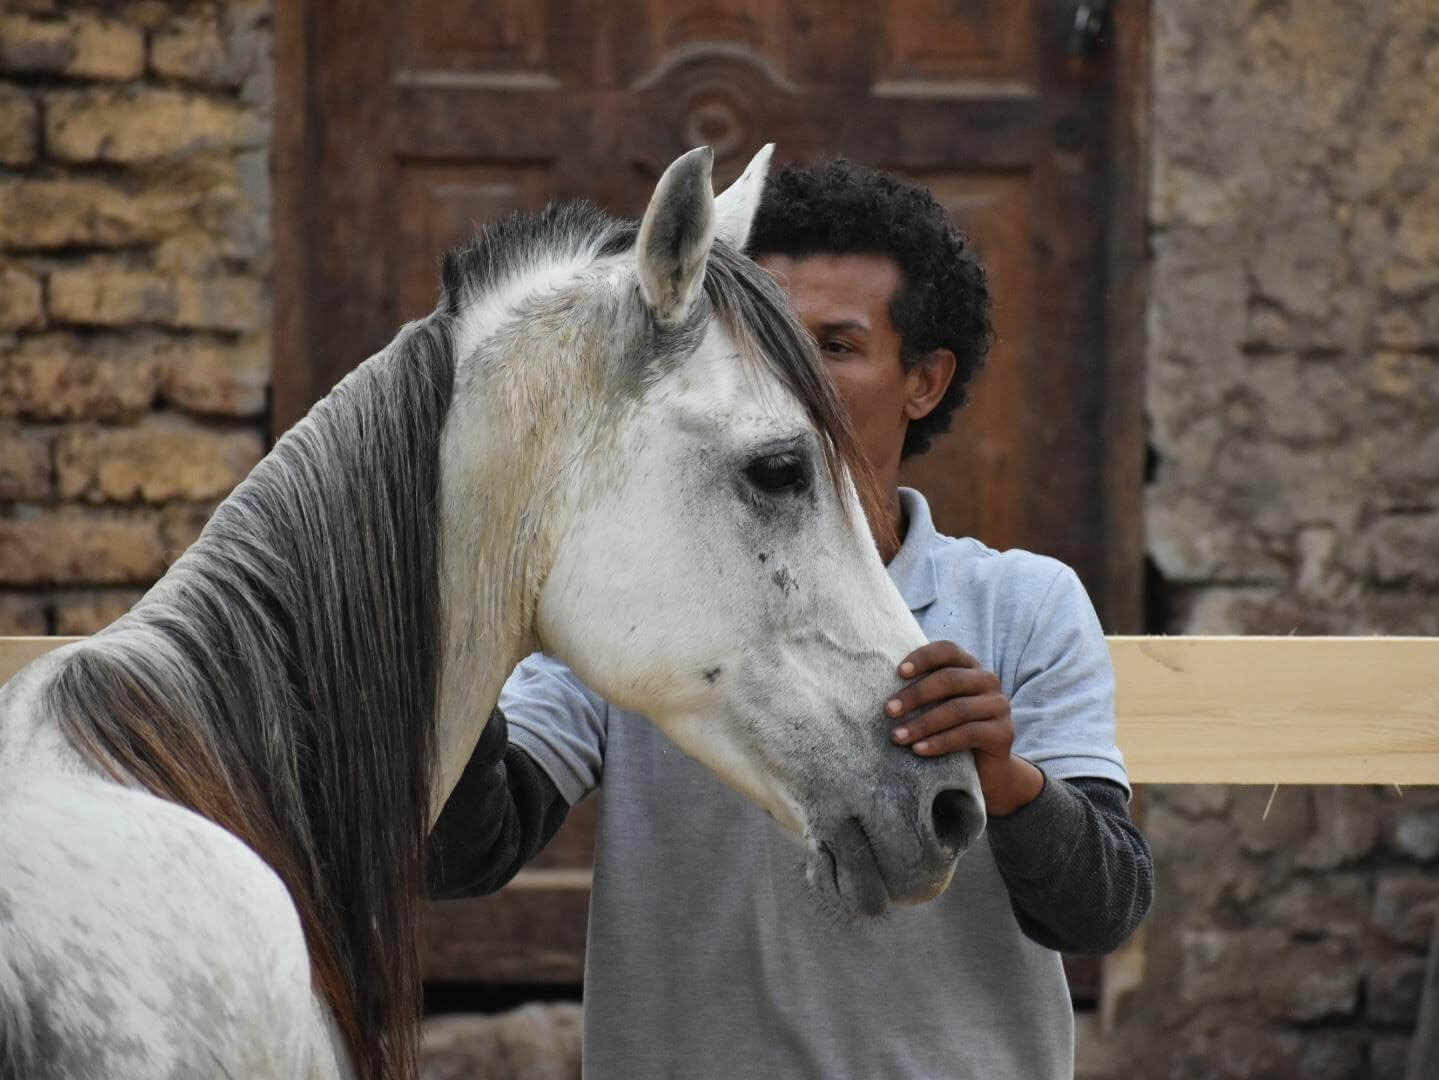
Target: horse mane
x,y
281,680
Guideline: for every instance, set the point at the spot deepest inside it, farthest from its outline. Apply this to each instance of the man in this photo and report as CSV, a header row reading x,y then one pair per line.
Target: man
x,y
705,955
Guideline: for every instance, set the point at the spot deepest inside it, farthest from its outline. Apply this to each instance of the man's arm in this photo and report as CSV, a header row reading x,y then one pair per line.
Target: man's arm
x,y
542,751
1078,871
503,811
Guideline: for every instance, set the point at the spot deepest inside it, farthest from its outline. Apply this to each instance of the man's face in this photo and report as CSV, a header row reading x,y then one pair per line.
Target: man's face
x,y
844,301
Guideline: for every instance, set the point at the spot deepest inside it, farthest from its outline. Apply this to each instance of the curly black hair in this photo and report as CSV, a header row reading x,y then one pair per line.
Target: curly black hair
x,y
840,208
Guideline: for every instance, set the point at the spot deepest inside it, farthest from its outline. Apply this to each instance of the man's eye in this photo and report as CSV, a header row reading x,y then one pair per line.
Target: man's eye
x,y
778,473
837,347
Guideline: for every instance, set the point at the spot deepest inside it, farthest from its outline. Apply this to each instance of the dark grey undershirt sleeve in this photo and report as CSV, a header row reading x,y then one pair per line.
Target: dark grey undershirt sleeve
x,y
501,814
1078,870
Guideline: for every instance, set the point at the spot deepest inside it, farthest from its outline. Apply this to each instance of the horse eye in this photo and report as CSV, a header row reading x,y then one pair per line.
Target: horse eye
x,y
778,473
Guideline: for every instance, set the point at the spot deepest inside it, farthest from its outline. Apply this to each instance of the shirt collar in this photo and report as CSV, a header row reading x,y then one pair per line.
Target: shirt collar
x,y
912,568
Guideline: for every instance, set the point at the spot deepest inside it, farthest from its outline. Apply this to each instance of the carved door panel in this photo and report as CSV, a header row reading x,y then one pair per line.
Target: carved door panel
x,y
402,125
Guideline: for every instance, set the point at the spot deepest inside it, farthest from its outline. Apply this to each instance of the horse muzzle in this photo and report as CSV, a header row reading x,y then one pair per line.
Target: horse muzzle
x,y
900,848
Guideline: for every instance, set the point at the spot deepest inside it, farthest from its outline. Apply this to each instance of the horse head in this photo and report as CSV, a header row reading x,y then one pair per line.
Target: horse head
x,y
702,556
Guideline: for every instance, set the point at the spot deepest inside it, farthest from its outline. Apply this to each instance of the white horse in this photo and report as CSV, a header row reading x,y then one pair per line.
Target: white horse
x,y
615,445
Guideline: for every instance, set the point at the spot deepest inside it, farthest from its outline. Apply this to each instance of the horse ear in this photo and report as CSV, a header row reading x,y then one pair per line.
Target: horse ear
x,y
676,234
735,209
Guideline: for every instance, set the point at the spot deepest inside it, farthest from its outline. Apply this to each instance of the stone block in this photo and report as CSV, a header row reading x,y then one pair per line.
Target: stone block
x,y
69,546
1224,965
1413,262
1399,550
1322,905
1346,827
78,46
1304,983
534,1042
23,615
182,523
25,467
38,214
1394,988
220,303
143,124
111,296
1194,800
1330,1057
219,377
86,611
1405,907
1389,1058
193,48
22,299
1192,539
65,377
1416,832
19,126
160,459
1288,824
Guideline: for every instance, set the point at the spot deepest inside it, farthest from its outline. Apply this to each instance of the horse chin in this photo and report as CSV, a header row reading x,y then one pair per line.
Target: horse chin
x,y
844,872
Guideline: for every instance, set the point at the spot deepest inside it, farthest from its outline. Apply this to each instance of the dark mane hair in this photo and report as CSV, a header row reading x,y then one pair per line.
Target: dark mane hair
x,y
281,680
840,208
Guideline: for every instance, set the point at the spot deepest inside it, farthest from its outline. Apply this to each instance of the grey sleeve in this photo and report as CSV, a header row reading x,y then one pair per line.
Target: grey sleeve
x,y
1061,687
1078,870
559,722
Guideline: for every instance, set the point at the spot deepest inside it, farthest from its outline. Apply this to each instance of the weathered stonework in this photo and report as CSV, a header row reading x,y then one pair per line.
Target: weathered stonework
x,y
141,125
1293,404
134,291
80,46
19,126
160,460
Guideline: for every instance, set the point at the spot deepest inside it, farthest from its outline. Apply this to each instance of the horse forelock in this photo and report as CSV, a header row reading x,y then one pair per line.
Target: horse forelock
x,y
281,680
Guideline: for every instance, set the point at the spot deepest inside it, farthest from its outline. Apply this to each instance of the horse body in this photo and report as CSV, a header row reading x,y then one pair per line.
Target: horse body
x,y
614,445
120,867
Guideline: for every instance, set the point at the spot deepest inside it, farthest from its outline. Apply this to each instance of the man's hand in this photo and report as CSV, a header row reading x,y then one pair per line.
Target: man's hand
x,y
966,710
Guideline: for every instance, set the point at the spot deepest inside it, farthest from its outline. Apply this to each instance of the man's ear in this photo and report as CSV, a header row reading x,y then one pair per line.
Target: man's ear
x,y
928,381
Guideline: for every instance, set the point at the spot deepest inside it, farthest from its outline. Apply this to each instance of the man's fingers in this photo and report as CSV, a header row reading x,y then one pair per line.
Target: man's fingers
x,y
980,735
947,682
956,712
936,654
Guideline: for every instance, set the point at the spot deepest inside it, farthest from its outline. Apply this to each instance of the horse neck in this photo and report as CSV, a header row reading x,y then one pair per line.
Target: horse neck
x,y
499,507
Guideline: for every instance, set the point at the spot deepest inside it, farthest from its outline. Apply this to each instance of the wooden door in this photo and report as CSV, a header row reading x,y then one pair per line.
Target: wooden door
x,y
401,125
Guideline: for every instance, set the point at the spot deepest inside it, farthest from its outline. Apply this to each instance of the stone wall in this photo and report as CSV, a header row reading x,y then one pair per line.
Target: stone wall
x,y
134,291
1293,401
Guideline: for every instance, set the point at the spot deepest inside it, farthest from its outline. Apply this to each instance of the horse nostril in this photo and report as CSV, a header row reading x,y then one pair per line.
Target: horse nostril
x,y
958,819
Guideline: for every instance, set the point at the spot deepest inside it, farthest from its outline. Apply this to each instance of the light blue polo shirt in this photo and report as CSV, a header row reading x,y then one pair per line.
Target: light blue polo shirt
x,y
706,956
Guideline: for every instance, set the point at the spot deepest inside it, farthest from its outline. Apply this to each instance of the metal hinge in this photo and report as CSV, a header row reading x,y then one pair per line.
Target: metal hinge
x,y
1086,32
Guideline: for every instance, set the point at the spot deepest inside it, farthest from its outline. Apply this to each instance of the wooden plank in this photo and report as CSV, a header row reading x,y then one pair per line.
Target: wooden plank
x,y
16,652
1245,710
1291,710
518,935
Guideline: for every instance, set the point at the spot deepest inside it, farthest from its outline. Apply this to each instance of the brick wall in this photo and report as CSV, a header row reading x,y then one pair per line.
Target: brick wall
x,y
1293,403
134,291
